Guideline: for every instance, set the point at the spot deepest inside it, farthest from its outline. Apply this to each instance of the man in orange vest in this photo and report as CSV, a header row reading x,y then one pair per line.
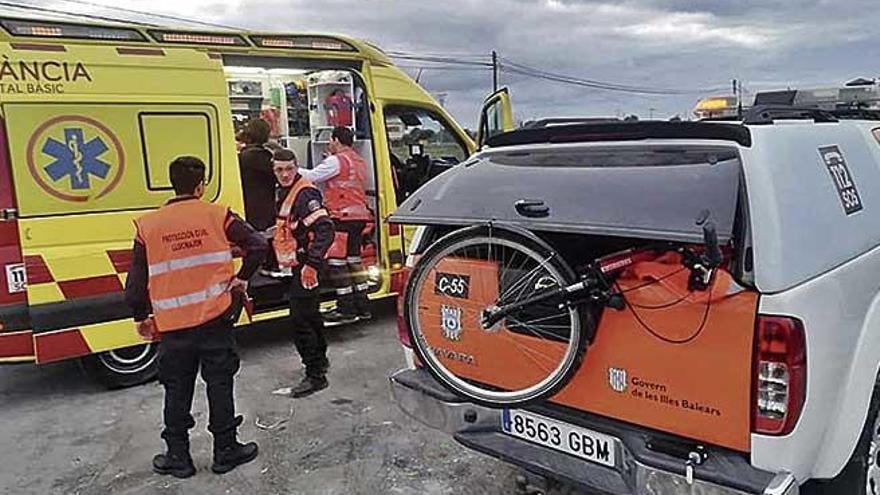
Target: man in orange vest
x,y
182,272
344,178
303,234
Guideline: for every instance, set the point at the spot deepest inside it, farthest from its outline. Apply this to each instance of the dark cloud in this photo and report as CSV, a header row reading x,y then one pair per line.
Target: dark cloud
x,y
700,44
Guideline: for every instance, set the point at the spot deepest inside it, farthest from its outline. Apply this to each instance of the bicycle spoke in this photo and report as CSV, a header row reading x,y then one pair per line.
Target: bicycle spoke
x,y
532,329
524,287
550,317
515,286
531,353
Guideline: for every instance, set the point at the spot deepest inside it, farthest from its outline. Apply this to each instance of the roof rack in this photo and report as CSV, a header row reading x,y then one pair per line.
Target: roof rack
x,y
623,131
856,113
765,114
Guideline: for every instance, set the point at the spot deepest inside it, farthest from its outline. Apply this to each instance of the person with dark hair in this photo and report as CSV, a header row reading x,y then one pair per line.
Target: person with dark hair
x,y
257,179
183,290
343,176
303,234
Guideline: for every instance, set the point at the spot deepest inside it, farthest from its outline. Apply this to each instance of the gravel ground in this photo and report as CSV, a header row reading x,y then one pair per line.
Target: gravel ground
x,y
61,433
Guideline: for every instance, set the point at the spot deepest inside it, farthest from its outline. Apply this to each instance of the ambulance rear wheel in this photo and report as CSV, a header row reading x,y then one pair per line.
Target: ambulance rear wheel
x,y
124,367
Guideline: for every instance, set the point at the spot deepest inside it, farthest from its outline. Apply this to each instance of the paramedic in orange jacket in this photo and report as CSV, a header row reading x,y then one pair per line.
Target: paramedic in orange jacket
x,y
182,272
343,177
303,234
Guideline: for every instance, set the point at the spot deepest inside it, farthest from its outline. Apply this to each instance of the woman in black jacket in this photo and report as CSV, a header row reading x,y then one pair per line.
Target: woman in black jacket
x,y
257,177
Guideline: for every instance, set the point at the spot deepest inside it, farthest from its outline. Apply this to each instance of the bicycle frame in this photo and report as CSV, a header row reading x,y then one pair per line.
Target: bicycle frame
x,y
595,287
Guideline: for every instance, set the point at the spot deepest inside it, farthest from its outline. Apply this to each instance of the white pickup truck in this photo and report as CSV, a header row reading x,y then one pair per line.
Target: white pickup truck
x,y
656,307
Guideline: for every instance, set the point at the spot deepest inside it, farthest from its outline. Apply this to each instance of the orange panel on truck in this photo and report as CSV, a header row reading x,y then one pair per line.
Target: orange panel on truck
x,y
674,359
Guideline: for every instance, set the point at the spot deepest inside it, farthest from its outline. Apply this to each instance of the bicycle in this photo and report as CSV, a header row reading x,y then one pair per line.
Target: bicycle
x,y
500,318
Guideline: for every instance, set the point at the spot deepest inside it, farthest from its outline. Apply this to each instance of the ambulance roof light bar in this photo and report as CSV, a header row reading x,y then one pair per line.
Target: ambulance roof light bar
x,y
197,38
323,43
717,103
52,29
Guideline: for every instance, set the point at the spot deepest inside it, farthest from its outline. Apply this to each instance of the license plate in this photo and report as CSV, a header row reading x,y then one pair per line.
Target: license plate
x,y
16,278
579,442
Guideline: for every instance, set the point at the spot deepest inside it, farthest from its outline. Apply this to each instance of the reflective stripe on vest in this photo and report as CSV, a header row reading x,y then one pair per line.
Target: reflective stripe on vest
x,y
189,262
190,299
284,242
192,261
345,194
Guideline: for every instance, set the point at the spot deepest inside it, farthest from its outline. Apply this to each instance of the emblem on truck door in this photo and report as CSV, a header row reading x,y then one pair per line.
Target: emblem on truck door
x,y
617,379
450,322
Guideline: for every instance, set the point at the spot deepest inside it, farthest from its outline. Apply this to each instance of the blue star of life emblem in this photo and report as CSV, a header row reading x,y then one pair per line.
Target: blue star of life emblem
x,y
76,159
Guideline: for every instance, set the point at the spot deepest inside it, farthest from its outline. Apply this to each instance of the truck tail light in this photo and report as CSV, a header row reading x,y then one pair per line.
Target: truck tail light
x,y
779,381
398,285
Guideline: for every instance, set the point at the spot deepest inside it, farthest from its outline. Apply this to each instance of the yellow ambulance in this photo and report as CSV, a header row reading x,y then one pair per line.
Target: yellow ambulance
x,y
91,115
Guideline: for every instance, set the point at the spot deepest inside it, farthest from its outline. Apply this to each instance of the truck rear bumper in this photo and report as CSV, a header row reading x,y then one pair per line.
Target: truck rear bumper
x,y
639,470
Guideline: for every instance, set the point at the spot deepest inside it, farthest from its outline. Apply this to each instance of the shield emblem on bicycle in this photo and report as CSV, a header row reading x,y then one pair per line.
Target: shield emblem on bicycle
x,y
450,322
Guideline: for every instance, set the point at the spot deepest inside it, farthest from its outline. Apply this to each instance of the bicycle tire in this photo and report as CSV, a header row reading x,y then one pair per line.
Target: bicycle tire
x,y
582,319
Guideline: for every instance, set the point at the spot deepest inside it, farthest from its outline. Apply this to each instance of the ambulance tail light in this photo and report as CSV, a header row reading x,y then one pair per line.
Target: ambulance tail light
x,y
48,29
780,375
393,229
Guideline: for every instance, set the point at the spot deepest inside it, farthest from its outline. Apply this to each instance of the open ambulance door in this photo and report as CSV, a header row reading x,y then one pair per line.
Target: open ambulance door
x,y
496,116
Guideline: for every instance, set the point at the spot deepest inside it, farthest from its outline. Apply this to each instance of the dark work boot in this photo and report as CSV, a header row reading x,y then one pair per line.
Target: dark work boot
x,y
232,456
179,465
229,453
309,385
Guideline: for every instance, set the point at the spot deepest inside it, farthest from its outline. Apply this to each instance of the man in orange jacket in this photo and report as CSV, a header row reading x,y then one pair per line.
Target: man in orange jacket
x,y
343,176
303,234
182,272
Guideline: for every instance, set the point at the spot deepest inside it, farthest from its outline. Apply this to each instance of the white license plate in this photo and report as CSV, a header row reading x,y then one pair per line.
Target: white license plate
x,y
16,278
579,442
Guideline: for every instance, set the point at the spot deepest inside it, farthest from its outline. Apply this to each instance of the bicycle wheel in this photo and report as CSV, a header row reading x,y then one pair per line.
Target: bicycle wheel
x,y
527,356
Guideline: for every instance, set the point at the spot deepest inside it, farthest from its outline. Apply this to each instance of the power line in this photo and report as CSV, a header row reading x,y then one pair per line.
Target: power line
x,y
150,14
511,66
28,6
443,67
459,55
443,60
540,73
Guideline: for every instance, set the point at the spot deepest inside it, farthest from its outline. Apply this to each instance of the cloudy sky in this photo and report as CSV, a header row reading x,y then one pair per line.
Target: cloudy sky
x,y
697,46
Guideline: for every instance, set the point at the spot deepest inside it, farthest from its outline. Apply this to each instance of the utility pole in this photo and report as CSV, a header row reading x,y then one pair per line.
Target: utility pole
x,y
494,71
737,94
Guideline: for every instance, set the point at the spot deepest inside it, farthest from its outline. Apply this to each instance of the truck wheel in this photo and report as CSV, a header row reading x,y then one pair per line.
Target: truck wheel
x,y
861,475
124,367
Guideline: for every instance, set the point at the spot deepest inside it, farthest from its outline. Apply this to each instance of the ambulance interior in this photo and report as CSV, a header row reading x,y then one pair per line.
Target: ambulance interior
x,y
302,106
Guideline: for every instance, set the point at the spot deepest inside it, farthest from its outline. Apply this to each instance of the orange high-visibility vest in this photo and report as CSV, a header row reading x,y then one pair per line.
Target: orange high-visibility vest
x,y
284,241
345,194
189,263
